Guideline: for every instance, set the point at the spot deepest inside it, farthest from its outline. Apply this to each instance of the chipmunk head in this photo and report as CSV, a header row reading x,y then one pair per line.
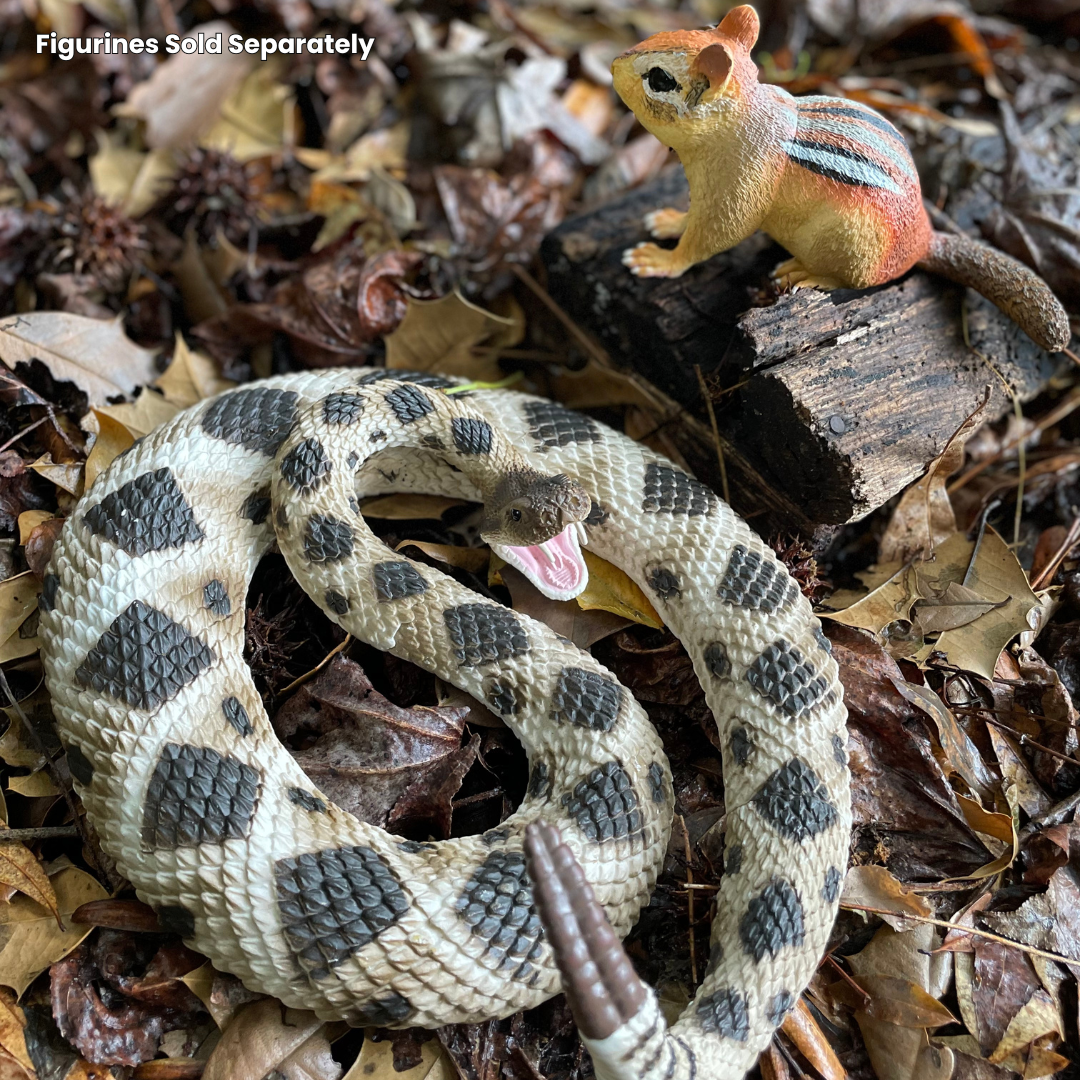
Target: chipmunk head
x,y
675,78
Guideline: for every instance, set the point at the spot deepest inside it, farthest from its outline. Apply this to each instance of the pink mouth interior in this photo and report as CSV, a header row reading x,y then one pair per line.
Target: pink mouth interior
x,y
563,574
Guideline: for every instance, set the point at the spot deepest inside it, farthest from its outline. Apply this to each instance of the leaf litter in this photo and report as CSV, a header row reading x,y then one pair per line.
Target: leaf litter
x,y
172,226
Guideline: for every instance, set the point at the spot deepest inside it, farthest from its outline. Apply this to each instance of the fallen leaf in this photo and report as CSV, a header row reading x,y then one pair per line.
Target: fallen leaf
x,y
894,1001
264,1038
440,335
222,994
30,939
874,887
406,506
38,785
13,1031
30,520
609,589
376,1062
465,558
95,354
18,598
113,438
190,377
250,120
1039,1017
20,870
141,416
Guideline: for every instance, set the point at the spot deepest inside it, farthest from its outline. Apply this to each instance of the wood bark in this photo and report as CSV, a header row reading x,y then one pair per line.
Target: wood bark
x,y
846,396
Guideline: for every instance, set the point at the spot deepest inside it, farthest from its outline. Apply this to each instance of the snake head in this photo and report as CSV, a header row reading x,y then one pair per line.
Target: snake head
x,y
534,522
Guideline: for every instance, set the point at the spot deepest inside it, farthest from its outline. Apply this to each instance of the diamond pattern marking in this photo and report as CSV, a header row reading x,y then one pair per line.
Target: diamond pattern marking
x,y
254,419
237,716
471,436
586,699
481,633
665,583
343,409
717,660
604,804
396,580
386,1011
795,802
671,491
337,603
308,801
724,1013
409,404
148,513
305,466
497,906
552,425
782,675
256,506
332,903
198,796
772,920
144,658
326,539
216,597
754,582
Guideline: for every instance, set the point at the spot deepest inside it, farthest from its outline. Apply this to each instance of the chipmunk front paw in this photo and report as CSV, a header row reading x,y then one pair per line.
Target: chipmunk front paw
x,y
666,224
648,260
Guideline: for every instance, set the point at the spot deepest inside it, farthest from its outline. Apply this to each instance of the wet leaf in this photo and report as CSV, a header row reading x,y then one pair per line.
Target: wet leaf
x,y
381,303
95,354
30,939
264,1037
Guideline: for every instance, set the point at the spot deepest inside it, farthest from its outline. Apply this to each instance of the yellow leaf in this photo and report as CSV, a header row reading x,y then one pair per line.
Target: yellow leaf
x,y
113,168
253,118
1040,1016
442,334
67,477
20,870
29,520
875,887
408,507
466,558
609,589
38,785
141,416
889,602
376,1062
30,940
112,440
18,598
190,377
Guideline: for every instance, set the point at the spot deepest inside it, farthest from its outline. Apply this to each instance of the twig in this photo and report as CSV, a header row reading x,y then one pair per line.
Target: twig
x,y
25,431
716,433
45,832
583,339
1051,568
690,903
974,930
300,680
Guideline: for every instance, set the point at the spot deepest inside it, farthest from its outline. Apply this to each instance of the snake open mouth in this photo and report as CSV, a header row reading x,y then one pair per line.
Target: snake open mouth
x,y
556,567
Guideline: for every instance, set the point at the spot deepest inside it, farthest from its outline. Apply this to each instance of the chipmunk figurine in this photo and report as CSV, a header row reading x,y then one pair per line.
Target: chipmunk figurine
x,y
828,178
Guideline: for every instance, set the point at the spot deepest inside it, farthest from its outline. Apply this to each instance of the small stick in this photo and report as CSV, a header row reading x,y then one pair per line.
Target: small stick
x,y
45,832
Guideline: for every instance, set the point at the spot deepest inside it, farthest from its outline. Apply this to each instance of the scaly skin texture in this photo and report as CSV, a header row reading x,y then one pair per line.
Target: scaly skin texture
x,y
830,179
143,623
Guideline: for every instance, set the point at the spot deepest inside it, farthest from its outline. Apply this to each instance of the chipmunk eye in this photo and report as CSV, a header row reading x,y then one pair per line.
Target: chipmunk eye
x,y
660,81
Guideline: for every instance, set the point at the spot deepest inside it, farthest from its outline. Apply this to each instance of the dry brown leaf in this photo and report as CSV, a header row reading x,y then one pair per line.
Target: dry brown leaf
x,y
190,377
67,477
1021,788
886,603
376,1062
264,1038
30,939
20,870
184,95
29,520
141,416
95,354
223,995
442,335
12,1031
1040,1016
465,558
18,598
113,438
875,887
408,507
894,1001
803,1030
38,785
948,609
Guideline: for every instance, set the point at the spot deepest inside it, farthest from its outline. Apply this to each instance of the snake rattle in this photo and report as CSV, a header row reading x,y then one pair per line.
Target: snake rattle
x,y
171,750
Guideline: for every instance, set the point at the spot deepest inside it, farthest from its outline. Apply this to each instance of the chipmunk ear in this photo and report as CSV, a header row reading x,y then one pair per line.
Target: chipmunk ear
x,y
742,24
714,62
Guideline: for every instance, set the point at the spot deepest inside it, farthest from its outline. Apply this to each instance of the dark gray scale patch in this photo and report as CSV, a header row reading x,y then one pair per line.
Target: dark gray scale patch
x,y
47,600
671,491
326,539
795,802
484,632
148,513
337,603
495,836
604,804
237,715
724,1013
552,425
198,796
254,419
830,891
502,696
821,639
656,782
754,582
421,378
497,906
717,661
733,858
353,459
597,514
396,580
176,919
414,847
409,404
144,658
772,920
342,409
216,597
540,781
281,519
839,747
587,699
742,746
256,507
471,436
388,1010
332,903
665,583
308,801
79,765
354,505
781,1004
305,466
782,675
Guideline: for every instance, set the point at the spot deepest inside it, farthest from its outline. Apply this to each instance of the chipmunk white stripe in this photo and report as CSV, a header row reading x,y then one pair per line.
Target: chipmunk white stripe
x,y
812,126
839,164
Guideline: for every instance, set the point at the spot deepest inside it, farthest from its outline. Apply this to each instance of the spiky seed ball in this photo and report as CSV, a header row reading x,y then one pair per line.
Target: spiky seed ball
x,y
212,191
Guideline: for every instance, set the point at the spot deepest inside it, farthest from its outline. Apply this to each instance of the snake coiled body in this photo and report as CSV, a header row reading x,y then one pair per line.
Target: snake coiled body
x,y
142,623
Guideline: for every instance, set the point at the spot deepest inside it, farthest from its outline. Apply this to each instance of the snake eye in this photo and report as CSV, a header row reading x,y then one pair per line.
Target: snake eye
x,y
515,514
660,81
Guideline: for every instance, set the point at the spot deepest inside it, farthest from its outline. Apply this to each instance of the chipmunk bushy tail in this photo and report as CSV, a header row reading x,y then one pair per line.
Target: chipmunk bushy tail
x,y
1004,281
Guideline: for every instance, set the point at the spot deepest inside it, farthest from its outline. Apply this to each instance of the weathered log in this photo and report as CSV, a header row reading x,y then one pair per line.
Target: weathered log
x,y
846,396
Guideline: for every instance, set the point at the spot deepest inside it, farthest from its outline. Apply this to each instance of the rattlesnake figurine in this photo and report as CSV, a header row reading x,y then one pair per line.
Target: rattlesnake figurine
x,y
171,750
